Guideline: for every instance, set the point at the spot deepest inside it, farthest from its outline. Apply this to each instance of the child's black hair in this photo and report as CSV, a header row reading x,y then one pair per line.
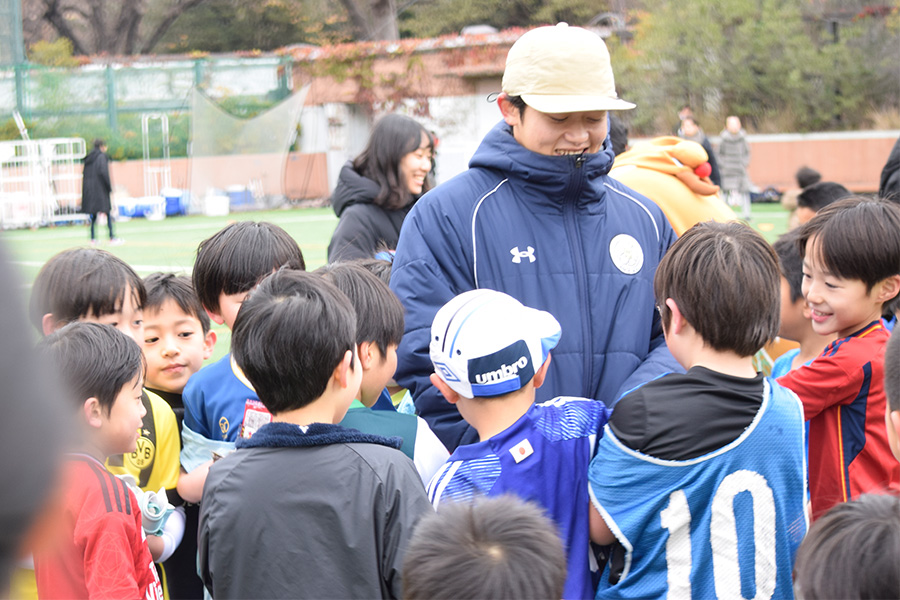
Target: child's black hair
x,y
790,261
289,336
851,551
500,547
379,314
378,267
856,238
178,288
93,361
83,282
819,195
234,259
724,279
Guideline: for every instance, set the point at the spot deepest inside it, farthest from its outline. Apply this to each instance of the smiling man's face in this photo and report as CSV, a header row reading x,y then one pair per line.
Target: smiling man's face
x,y
556,134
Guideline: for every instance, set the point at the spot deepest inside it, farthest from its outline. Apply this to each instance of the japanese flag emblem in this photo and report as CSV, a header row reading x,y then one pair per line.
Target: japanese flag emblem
x,y
521,451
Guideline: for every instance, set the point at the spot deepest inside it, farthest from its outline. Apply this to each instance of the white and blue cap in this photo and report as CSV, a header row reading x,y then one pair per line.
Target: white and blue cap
x,y
486,343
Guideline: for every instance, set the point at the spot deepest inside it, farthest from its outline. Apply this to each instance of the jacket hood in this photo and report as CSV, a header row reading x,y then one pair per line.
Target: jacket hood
x,y
352,188
92,156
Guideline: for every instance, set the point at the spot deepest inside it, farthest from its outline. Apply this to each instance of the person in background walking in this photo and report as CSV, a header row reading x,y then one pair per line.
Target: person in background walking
x,y
95,189
734,158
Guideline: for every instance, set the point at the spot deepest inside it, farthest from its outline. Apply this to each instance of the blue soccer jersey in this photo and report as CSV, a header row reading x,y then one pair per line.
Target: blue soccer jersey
x,y
543,457
726,524
220,405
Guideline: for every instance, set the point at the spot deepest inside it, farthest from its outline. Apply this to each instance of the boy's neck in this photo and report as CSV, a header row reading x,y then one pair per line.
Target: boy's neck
x,y
490,416
811,346
320,410
728,363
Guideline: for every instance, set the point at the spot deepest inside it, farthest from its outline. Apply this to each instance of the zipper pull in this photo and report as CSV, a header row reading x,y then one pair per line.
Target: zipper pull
x,y
579,160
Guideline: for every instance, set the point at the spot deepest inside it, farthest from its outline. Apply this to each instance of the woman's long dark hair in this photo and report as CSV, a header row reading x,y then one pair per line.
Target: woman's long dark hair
x,y
393,137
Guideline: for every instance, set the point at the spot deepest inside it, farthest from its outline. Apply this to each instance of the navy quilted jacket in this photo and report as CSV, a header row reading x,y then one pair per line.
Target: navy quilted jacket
x,y
559,235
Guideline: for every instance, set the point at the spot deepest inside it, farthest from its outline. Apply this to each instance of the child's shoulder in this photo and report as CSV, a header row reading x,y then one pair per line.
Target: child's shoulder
x,y
567,417
93,492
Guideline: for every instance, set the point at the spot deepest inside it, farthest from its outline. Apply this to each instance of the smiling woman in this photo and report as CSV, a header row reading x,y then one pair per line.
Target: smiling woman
x,y
377,189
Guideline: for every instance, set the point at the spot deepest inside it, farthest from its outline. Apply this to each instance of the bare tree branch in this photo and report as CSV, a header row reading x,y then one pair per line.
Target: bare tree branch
x,y
56,18
160,30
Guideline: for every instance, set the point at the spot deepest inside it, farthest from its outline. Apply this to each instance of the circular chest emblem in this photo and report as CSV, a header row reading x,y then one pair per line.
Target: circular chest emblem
x,y
626,254
143,456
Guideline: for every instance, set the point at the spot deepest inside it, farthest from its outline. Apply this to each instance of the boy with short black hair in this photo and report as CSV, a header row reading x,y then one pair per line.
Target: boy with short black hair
x,y
379,327
268,523
103,551
851,269
177,336
490,354
93,285
177,339
87,283
795,325
492,548
220,404
698,473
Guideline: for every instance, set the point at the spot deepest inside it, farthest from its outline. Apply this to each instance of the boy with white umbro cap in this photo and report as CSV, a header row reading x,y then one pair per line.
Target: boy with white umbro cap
x,y
490,353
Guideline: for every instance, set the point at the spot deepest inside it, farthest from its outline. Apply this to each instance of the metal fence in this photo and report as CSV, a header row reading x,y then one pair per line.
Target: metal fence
x,y
150,85
40,182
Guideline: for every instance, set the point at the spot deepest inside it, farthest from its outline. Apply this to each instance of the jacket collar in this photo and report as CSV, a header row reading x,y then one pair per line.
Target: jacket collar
x,y
287,435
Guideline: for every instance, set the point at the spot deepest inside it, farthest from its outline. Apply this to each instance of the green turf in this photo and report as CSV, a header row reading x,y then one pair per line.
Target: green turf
x,y
170,244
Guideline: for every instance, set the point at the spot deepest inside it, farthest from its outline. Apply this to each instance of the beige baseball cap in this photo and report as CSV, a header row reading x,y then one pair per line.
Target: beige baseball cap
x,y
561,69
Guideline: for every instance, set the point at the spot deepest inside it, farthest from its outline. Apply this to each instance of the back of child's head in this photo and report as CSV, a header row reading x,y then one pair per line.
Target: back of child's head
x,y
820,194
892,372
495,548
92,361
790,261
83,282
807,176
379,267
379,314
724,278
233,260
289,336
485,343
856,238
177,288
852,552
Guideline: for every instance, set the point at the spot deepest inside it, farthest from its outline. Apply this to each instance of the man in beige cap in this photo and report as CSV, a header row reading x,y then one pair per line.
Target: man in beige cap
x,y
537,217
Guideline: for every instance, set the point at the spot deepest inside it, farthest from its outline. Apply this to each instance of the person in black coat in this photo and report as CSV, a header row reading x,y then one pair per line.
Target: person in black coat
x,y
95,189
377,189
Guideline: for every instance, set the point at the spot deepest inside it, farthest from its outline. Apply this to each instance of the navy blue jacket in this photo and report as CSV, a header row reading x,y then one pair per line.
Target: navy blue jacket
x,y
559,235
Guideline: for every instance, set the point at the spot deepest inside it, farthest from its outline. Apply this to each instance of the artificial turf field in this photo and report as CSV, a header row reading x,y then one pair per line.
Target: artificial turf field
x,y
170,244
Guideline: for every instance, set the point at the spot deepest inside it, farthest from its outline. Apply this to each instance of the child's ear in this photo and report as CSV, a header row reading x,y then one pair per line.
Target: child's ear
x,y
889,288
445,390
342,372
676,319
366,356
50,324
209,343
93,412
215,317
541,373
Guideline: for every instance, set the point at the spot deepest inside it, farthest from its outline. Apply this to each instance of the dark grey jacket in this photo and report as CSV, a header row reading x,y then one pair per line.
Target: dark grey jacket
x,y
95,183
321,513
364,226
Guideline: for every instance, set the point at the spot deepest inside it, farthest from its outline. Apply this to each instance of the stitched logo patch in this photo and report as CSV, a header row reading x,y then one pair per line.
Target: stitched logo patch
x,y
626,254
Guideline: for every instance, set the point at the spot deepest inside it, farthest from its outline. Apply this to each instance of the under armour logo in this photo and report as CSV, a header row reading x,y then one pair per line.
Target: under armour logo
x,y
518,256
